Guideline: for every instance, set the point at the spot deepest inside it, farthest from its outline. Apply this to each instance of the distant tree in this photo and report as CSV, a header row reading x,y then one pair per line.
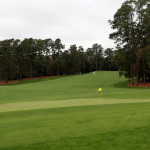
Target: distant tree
x,y
49,44
74,59
82,58
7,56
28,47
109,62
58,46
38,57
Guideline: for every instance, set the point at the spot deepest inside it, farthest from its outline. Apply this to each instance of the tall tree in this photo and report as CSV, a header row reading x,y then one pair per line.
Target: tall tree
x,y
97,52
28,46
131,34
58,46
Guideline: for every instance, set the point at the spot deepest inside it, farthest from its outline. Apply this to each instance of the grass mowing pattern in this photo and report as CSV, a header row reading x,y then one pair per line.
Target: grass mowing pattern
x,y
71,87
115,127
64,103
107,127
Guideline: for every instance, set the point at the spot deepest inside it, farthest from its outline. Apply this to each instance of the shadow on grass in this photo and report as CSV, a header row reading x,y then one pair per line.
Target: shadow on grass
x,y
30,81
35,80
124,84
40,80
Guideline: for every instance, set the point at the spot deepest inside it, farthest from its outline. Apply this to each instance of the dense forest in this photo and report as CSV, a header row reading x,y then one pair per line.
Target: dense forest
x,y
36,58
131,24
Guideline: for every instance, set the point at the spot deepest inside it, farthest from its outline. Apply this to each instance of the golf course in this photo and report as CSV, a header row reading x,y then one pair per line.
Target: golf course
x,y
68,113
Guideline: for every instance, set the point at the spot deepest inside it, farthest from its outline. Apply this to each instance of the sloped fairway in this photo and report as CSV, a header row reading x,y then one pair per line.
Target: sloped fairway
x,y
72,87
66,113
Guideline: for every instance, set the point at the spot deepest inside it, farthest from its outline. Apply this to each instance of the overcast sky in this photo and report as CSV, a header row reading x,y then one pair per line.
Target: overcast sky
x,y
81,22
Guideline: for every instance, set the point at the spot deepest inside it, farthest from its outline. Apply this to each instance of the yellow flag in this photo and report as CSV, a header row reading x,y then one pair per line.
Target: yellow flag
x,y
100,89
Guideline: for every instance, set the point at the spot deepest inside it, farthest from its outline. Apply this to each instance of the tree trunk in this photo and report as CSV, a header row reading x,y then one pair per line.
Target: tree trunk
x,y
129,80
5,78
31,71
58,62
132,74
1,76
96,59
137,69
144,80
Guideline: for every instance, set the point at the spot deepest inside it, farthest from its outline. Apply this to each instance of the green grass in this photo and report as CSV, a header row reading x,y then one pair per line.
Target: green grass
x,y
66,113
71,87
18,106
115,127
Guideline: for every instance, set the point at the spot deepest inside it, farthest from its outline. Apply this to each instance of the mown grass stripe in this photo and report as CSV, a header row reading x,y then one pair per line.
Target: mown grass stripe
x,y
18,106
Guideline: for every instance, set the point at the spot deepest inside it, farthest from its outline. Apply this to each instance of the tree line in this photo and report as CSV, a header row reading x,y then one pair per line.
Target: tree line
x,y
131,25
37,57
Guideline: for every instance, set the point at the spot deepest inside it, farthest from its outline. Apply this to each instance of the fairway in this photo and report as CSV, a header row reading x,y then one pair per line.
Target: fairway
x,y
72,87
67,113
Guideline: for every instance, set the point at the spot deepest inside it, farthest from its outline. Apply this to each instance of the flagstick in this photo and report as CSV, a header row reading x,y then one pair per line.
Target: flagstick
x,y
100,90
101,96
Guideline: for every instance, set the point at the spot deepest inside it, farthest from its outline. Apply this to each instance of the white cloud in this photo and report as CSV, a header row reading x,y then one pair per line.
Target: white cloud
x,y
81,22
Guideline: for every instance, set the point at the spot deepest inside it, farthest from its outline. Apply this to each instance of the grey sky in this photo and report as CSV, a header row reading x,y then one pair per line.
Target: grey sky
x,y
81,22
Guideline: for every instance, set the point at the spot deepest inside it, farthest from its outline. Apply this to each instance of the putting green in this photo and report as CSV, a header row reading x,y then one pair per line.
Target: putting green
x,y
19,106
76,87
